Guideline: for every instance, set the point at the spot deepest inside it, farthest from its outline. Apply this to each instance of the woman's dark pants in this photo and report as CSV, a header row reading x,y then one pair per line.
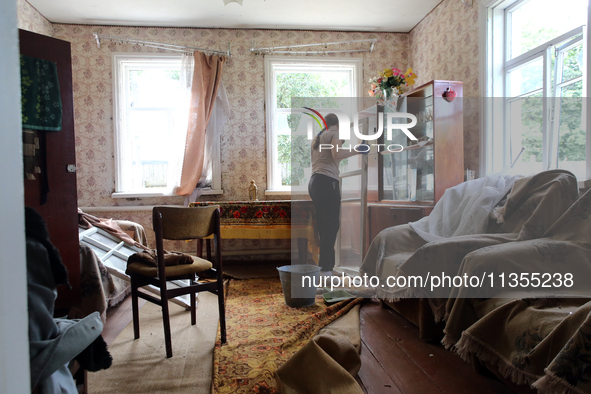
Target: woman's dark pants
x,y
326,196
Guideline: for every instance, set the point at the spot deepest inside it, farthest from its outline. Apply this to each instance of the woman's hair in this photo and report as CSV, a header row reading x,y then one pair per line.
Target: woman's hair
x,y
331,120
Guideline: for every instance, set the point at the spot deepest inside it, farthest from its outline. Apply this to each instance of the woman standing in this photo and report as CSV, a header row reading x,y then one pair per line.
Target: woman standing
x,y
324,188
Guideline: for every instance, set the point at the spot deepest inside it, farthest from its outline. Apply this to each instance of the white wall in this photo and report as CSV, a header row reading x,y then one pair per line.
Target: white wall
x,y
14,341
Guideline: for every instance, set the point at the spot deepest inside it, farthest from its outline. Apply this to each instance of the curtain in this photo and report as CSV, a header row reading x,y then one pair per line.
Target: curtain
x,y
207,76
219,117
178,136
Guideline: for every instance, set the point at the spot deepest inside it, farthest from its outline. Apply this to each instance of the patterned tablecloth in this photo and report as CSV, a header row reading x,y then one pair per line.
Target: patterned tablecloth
x,y
284,219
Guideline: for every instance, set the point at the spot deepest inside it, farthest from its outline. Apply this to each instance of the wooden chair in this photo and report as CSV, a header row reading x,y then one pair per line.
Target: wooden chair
x,y
177,223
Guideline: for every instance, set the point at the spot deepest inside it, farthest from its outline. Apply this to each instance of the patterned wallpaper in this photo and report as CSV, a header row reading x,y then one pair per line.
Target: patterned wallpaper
x,y
30,19
445,45
243,141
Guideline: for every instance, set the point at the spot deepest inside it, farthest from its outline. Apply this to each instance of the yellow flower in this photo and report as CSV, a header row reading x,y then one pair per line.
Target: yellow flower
x,y
387,72
409,76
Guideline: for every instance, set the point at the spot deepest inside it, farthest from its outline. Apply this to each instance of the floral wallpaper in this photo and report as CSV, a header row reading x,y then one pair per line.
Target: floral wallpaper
x,y
243,141
445,45
30,19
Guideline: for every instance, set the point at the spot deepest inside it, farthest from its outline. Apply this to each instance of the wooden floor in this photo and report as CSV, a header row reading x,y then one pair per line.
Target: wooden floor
x,y
394,359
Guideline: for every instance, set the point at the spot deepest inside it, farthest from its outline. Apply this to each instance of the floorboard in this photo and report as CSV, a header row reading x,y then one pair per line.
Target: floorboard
x,y
394,360
416,366
118,317
372,375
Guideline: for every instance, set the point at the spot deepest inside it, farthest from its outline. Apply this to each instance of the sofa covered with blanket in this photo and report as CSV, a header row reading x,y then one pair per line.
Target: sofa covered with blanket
x,y
528,333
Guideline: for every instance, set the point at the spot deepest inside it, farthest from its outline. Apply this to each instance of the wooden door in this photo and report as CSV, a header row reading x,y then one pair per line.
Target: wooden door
x,y
60,209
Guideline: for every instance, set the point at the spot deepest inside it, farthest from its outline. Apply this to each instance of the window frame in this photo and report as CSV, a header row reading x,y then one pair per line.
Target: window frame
x,y
92,238
495,67
118,70
273,173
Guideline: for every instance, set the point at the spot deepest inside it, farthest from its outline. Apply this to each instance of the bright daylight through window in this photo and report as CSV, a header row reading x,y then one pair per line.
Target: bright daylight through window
x,y
150,123
537,64
285,79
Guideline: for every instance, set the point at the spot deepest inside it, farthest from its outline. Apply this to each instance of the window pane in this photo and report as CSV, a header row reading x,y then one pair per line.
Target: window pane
x,y
116,262
294,158
571,133
150,148
572,64
527,78
538,21
107,241
311,84
155,88
350,229
525,125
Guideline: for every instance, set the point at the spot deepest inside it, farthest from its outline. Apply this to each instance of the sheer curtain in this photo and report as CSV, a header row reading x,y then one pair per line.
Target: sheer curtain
x,y
219,116
180,123
207,74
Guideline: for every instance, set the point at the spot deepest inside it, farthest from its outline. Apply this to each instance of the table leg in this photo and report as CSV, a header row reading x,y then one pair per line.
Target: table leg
x,y
303,250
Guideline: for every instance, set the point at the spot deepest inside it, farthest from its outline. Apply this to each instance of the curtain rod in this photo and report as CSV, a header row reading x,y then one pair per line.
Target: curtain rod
x,y
259,51
178,48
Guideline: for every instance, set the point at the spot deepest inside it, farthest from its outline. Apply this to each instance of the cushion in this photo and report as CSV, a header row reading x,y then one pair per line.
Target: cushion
x,y
198,265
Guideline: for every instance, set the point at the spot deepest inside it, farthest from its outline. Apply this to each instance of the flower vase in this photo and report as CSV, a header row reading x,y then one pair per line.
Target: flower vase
x,y
390,99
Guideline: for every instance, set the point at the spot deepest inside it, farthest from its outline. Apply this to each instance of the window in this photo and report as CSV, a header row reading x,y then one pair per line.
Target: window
x,y
151,113
113,253
536,71
285,78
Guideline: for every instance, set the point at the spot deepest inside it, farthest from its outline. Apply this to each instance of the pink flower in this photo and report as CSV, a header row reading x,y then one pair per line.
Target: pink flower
x,y
396,71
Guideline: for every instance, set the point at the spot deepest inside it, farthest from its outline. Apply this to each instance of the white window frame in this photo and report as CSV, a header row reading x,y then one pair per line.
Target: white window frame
x,y
494,67
274,186
118,61
94,238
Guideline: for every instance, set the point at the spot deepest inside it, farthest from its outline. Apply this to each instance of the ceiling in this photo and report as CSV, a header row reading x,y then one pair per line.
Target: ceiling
x,y
348,15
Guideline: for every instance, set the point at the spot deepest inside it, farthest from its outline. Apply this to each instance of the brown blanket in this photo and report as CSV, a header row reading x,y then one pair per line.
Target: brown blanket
x,y
532,207
109,225
149,257
543,340
328,363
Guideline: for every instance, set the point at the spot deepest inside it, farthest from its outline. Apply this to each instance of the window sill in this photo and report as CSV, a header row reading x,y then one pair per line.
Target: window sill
x,y
156,194
585,184
277,192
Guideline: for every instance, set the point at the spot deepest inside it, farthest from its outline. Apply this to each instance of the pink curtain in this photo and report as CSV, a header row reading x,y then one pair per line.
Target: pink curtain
x,y
204,89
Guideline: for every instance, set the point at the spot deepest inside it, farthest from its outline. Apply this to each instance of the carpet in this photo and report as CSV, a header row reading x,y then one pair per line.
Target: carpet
x,y
141,366
252,271
263,333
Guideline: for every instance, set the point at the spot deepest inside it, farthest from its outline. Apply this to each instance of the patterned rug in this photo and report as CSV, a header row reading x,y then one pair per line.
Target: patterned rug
x,y
263,333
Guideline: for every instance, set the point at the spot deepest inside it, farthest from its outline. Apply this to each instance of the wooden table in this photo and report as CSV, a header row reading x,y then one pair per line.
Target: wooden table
x,y
284,219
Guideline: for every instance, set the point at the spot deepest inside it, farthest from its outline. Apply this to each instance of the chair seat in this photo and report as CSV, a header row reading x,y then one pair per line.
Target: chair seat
x,y
198,265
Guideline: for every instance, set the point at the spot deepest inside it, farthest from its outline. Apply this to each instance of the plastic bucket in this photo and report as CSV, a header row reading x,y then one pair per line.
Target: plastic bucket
x,y
296,293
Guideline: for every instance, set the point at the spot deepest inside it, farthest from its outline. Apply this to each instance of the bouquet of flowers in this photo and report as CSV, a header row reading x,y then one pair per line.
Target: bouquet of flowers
x,y
391,82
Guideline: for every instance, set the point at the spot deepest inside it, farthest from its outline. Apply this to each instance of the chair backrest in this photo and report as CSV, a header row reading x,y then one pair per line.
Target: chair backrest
x,y
181,223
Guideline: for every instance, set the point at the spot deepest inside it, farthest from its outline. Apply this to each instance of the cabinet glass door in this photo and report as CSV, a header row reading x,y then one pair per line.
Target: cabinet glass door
x,y
408,175
350,244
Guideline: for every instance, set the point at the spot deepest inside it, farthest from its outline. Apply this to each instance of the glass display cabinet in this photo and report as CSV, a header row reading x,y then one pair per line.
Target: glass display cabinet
x,y
407,177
